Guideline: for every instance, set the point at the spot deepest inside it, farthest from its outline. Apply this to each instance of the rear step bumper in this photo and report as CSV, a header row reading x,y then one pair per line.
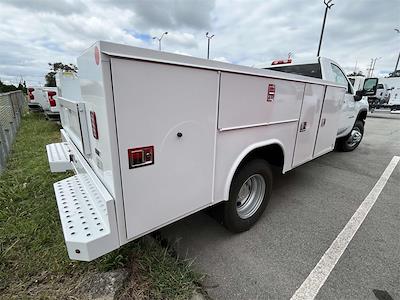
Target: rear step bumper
x,y
34,106
86,208
53,116
85,214
58,155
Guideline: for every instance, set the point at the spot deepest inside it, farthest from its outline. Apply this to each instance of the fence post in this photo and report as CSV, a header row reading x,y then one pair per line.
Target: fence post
x,y
8,139
13,131
17,119
2,156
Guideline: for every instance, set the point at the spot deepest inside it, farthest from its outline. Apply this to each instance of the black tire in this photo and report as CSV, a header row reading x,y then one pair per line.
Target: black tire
x,y
230,216
345,144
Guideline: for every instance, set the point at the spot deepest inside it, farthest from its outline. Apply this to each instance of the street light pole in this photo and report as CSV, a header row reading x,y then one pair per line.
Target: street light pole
x,y
328,5
209,37
398,57
370,68
159,39
373,65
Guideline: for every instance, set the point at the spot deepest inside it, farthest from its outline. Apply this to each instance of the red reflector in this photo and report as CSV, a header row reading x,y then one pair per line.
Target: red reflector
x,y
31,96
271,92
96,55
139,157
52,101
93,120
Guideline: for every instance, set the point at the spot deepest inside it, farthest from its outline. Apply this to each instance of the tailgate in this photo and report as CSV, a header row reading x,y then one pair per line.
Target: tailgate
x,y
74,122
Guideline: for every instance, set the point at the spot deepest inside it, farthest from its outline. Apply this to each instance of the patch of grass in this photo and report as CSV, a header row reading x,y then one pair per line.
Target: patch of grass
x,y
32,249
157,274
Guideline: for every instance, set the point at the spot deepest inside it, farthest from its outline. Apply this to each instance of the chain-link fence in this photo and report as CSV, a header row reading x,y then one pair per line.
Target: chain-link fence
x,y
11,108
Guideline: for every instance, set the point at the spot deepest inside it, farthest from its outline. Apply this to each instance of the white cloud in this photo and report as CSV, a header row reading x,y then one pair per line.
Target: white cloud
x,y
33,33
221,59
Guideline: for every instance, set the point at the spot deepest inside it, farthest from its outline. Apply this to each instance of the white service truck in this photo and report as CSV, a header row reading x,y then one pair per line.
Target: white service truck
x,y
41,99
36,98
157,136
50,107
68,86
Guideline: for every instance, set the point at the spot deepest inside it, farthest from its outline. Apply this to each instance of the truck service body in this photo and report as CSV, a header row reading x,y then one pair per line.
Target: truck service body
x,y
50,107
156,136
36,98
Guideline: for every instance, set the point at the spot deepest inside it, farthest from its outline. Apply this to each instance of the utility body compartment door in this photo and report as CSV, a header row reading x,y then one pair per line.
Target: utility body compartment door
x,y
308,123
173,109
329,120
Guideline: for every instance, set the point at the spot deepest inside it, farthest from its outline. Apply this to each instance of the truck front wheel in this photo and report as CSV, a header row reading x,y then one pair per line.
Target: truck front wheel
x,y
248,196
351,142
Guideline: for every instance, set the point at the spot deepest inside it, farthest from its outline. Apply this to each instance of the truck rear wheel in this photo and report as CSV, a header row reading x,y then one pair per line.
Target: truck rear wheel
x,y
351,142
248,196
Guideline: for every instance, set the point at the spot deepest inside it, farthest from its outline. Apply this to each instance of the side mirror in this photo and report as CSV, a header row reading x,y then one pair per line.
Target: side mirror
x,y
370,85
358,96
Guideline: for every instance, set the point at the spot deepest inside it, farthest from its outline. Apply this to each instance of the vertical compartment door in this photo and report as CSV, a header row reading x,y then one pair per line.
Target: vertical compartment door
x,y
173,111
329,121
308,123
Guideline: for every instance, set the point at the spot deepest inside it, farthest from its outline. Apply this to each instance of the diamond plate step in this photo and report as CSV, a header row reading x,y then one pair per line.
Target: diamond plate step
x,y
58,156
87,216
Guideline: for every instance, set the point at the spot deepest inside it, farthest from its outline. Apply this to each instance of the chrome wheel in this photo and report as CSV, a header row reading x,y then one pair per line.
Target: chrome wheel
x,y
354,138
251,195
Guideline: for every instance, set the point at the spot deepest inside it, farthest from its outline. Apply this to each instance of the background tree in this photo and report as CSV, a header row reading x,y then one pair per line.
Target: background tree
x,y
54,67
359,73
395,74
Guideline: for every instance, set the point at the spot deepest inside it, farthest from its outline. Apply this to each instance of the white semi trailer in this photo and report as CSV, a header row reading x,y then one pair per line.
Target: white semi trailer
x,y
157,136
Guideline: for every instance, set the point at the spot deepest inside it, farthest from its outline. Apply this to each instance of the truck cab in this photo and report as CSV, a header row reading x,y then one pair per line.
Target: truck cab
x,y
353,107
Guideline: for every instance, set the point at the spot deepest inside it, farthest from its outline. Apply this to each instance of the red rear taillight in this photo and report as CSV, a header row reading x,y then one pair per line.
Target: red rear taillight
x,y
93,120
30,91
271,92
51,94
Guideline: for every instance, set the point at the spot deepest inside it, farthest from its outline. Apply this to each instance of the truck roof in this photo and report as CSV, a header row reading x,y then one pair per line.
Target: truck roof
x,y
131,52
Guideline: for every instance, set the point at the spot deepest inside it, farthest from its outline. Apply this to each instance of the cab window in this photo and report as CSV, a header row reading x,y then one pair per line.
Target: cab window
x,y
310,70
340,78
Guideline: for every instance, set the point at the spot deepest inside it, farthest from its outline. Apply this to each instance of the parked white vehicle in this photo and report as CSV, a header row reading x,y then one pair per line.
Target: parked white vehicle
x,y
157,136
50,108
67,86
382,93
394,92
36,98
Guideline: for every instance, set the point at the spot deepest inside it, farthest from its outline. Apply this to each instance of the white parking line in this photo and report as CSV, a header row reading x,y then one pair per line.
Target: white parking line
x,y
316,279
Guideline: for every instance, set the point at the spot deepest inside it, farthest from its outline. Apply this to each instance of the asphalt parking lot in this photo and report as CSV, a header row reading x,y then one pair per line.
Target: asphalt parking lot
x,y
309,208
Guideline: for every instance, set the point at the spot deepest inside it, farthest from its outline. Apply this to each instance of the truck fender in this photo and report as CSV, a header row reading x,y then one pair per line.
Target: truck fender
x,y
243,155
362,115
